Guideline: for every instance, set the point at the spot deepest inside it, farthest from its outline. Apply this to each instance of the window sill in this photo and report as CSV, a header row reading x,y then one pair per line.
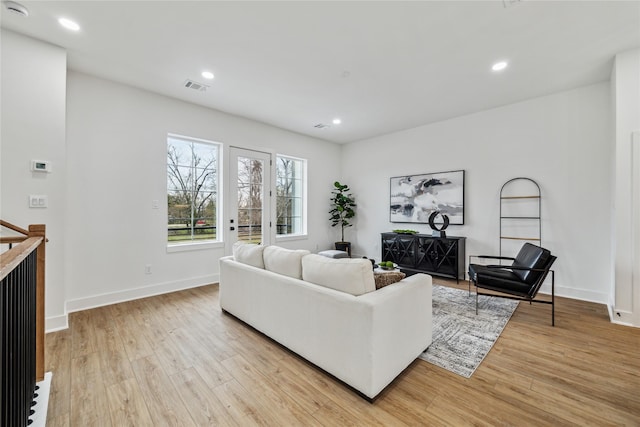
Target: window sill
x,y
193,246
291,237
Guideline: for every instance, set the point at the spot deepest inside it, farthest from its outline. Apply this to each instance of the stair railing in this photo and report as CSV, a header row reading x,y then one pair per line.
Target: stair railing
x,y
22,277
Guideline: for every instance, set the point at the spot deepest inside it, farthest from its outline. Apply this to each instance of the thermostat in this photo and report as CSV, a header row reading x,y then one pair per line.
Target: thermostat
x,y
40,166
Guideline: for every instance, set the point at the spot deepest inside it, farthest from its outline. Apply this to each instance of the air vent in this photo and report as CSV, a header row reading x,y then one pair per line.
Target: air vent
x,y
321,126
195,86
508,3
16,8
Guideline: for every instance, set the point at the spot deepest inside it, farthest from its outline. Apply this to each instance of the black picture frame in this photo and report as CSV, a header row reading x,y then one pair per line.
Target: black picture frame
x,y
412,198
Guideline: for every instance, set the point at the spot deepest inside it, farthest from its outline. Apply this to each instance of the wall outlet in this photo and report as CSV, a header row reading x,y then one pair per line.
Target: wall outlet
x,y
147,269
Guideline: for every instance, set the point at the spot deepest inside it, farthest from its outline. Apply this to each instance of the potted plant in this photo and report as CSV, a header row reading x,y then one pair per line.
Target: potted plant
x,y
342,211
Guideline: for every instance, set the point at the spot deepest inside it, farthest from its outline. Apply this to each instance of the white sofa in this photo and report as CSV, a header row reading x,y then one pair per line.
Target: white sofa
x,y
362,336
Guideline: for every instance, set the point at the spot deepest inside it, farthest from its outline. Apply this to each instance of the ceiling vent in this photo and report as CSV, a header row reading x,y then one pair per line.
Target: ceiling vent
x,y
321,126
16,8
195,85
508,3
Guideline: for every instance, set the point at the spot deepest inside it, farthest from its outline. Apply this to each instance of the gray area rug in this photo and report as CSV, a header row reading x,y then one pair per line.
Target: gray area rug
x,y
461,339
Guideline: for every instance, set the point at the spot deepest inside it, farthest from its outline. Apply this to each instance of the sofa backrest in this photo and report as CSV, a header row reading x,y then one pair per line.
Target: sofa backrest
x,y
350,275
283,261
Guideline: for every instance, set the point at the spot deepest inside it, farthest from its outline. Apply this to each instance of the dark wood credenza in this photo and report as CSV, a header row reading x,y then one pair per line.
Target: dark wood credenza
x,y
421,253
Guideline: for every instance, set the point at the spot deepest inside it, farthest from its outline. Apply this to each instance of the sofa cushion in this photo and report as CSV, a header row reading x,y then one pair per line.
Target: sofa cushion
x,y
350,275
248,253
284,261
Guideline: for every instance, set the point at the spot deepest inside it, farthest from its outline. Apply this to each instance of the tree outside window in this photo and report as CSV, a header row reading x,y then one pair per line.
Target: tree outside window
x,y
192,189
290,186
250,196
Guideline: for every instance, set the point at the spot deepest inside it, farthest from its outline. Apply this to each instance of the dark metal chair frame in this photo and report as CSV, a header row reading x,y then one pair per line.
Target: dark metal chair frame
x,y
533,290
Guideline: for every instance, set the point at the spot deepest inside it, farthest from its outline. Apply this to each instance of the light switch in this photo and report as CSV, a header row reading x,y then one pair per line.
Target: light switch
x,y
38,201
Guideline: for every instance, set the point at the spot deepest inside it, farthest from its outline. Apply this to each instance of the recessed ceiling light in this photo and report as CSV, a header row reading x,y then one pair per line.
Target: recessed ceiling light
x,y
337,121
69,24
498,66
207,75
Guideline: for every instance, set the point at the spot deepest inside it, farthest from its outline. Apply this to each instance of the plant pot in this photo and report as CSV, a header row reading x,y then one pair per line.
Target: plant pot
x,y
344,246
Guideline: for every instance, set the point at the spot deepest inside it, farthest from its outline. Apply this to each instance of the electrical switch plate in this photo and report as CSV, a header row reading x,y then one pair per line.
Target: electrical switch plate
x,y
38,201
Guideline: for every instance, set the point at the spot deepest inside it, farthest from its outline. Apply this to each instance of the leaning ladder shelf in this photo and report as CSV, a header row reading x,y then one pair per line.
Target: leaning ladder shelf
x,y
533,218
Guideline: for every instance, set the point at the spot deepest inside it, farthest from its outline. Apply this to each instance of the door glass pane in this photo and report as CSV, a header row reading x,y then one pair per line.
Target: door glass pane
x,y
250,199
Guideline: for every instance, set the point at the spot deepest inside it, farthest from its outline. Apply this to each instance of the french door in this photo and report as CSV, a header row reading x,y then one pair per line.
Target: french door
x,y
249,197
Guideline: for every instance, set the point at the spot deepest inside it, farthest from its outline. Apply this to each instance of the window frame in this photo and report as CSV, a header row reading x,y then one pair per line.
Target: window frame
x,y
196,244
302,233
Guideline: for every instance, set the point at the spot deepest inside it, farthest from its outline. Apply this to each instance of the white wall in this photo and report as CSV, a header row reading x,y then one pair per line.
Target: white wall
x,y
116,153
625,84
563,141
33,128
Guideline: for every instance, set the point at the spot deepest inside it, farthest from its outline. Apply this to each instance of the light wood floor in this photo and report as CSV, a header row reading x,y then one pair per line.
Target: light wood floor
x,y
176,360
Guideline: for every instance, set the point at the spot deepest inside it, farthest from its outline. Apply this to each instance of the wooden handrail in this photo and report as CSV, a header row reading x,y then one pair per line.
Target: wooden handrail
x,y
36,239
15,228
10,259
12,239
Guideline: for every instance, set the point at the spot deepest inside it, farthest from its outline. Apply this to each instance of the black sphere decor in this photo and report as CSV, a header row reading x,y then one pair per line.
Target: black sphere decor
x,y
438,232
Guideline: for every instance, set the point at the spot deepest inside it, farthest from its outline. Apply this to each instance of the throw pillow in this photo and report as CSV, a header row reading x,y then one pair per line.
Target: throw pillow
x,y
350,275
284,261
248,253
386,279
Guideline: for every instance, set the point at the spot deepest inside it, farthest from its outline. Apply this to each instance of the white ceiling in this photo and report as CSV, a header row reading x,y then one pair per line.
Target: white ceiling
x,y
380,66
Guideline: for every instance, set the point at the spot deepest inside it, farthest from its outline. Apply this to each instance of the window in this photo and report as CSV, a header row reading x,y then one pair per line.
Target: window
x,y
192,190
290,196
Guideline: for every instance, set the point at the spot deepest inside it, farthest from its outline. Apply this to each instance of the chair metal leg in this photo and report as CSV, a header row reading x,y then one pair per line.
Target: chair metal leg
x,y
553,298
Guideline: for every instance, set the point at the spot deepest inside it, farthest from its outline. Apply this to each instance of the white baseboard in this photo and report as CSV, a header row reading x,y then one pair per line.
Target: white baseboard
x,y
61,322
575,293
55,323
620,317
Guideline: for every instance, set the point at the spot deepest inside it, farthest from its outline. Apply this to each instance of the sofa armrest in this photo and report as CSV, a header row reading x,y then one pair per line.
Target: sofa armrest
x,y
401,325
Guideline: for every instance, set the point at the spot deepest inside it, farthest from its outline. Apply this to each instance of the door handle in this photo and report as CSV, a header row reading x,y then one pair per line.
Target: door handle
x,y
232,228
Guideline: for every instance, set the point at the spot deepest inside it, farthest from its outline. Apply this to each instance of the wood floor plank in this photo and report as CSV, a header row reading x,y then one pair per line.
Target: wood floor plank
x,y
283,409
127,405
88,395
114,362
213,373
159,394
58,360
177,359
241,405
59,421
83,340
133,338
200,401
564,410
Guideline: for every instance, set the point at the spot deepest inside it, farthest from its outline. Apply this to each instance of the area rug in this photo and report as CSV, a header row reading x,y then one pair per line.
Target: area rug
x,y
461,340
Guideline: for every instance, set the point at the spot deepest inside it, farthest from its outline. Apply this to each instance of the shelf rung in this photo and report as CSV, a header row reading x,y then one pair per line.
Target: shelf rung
x,y
519,217
520,238
520,197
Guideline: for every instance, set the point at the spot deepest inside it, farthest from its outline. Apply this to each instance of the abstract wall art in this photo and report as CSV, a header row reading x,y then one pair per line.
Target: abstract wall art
x,y
414,197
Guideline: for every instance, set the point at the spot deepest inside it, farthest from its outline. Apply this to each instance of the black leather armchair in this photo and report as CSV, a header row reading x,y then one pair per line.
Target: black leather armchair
x,y
520,281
